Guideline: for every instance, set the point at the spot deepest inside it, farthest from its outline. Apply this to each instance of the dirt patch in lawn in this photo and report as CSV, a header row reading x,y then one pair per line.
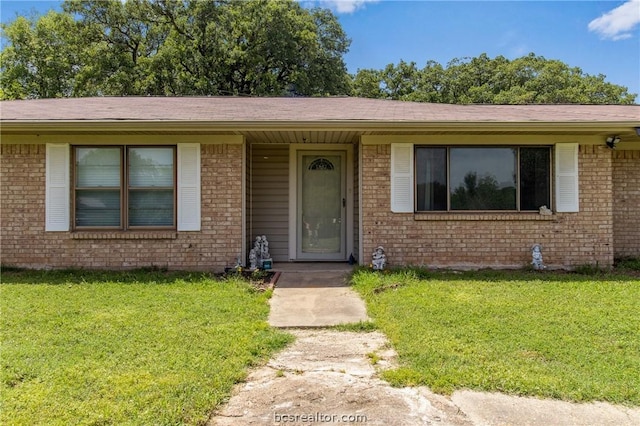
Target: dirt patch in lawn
x,y
260,279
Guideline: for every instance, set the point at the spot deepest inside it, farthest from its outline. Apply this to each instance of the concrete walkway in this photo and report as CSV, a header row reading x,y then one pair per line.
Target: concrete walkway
x,y
315,295
332,377
329,377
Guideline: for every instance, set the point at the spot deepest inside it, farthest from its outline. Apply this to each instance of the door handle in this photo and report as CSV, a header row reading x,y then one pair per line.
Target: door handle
x,y
344,202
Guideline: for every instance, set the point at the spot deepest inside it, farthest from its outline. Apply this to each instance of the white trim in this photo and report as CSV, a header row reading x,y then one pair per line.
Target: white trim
x,y
57,208
188,187
567,178
293,201
99,139
350,232
243,243
360,209
402,178
474,139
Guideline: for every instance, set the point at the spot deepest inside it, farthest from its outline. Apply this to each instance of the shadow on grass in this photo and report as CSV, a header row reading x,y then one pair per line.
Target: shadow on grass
x,y
624,270
580,274
12,275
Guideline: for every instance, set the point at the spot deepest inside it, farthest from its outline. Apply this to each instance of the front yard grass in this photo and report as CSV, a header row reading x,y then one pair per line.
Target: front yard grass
x,y
554,335
144,347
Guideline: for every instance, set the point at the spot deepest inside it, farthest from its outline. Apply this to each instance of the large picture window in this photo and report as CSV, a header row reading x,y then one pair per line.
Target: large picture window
x,y
482,178
125,187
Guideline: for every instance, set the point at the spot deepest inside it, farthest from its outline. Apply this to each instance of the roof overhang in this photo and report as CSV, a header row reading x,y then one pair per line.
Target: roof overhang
x,y
624,129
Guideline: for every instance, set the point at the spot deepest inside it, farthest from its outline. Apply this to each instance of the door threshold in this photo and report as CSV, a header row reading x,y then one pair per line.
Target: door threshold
x,y
312,266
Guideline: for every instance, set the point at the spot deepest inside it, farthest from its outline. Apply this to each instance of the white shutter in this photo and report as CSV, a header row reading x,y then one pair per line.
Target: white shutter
x,y
402,178
189,187
57,188
567,192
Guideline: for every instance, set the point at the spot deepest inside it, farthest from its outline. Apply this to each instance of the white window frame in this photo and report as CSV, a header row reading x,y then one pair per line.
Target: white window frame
x,y
58,187
565,176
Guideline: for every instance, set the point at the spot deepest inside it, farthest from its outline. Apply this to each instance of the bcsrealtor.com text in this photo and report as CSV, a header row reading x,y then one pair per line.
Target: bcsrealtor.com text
x,y
319,418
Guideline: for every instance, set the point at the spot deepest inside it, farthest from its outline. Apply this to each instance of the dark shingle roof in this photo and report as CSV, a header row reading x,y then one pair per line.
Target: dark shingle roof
x,y
315,110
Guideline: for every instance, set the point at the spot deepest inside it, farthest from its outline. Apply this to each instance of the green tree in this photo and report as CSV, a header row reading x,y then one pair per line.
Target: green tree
x,y
175,47
530,79
43,58
367,84
400,81
122,40
431,81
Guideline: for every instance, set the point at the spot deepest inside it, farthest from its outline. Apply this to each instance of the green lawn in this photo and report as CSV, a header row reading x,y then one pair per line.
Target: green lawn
x,y
555,335
126,348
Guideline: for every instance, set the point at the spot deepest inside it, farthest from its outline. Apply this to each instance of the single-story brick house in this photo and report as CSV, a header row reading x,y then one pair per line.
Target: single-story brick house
x,y
188,183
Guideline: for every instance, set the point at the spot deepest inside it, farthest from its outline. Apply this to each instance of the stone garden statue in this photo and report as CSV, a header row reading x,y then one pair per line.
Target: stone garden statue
x,y
238,265
253,260
536,255
264,248
378,259
545,211
259,252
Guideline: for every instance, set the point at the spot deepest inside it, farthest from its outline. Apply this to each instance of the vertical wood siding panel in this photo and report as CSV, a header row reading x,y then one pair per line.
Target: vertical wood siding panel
x,y
269,197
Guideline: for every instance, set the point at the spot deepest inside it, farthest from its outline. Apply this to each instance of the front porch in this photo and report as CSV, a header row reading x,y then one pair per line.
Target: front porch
x,y
304,198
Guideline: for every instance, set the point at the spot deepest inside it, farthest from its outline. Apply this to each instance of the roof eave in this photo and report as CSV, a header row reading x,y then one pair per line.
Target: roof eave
x,y
163,126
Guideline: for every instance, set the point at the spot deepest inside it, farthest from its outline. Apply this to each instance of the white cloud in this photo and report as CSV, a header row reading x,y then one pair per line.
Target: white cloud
x,y
617,24
344,6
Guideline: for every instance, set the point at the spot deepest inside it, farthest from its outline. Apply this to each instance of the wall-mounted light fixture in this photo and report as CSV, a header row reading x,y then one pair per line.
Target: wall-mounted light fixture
x,y
612,141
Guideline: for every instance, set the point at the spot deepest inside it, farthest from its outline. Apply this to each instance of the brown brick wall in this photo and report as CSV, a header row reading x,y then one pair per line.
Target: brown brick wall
x,y
489,240
25,243
472,240
626,203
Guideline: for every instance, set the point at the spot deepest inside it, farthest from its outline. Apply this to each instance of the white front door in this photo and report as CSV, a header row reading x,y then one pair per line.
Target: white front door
x,y
321,205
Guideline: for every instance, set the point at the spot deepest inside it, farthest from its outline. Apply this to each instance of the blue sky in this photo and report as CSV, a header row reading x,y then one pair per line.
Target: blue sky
x,y
600,37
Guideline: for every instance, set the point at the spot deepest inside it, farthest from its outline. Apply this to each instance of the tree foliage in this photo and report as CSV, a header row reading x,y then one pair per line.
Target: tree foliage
x,y
258,48
174,47
527,80
42,59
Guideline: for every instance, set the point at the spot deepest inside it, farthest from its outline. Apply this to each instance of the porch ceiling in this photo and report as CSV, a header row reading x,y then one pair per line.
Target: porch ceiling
x,y
302,136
